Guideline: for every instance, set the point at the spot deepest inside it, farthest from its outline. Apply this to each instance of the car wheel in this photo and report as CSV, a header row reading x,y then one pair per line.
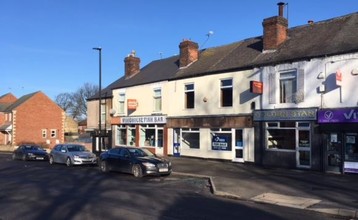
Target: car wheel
x,y
104,166
137,171
68,162
50,160
24,157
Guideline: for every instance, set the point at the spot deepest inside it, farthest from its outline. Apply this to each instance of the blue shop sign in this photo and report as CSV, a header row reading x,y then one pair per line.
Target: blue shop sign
x,y
220,143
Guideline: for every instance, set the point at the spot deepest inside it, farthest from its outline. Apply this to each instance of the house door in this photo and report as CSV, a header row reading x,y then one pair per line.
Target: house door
x,y
333,154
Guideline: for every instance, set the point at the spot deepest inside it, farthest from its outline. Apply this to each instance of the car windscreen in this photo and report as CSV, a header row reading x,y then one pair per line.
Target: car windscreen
x,y
29,147
140,153
73,148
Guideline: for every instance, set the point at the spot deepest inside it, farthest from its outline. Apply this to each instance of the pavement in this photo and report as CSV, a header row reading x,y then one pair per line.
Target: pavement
x,y
335,194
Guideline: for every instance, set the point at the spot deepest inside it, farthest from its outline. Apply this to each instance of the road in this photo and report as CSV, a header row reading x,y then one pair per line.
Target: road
x,y
38,190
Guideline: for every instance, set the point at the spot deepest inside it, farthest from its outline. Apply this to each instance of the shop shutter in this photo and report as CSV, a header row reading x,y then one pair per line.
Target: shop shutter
x,y
300,86
272,88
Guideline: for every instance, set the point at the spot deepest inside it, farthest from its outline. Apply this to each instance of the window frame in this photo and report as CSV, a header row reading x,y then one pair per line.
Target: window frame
x,y
157,99
224,91
189,93
284,95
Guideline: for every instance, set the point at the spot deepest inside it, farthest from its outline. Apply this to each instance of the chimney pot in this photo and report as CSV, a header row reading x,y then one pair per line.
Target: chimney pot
x,y
280,8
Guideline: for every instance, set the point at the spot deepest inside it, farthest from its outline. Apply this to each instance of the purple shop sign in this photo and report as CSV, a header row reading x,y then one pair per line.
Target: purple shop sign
x,y
349,115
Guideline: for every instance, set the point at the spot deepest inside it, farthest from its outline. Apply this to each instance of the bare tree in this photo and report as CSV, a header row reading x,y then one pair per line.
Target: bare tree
x,y
64,100
75,104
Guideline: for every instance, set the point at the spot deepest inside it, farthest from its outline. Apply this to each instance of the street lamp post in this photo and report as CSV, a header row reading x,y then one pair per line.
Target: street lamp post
x,y
99,99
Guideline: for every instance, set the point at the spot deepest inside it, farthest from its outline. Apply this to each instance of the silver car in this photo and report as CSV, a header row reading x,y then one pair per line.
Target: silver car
x,y
71,154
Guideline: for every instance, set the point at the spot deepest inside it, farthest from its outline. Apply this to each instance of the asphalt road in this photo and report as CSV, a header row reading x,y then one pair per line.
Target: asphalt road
x,y
38,190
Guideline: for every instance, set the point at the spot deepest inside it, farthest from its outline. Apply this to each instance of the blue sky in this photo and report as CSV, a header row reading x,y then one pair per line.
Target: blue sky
x,y
47,44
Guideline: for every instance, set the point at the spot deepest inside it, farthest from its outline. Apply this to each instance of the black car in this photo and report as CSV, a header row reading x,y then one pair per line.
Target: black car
x,y
30,152
137,161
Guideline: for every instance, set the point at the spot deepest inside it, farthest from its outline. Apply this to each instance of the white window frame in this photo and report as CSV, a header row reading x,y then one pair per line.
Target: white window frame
x,y
157,99
224,87
186,93
53,133
44,133
121,103
286,97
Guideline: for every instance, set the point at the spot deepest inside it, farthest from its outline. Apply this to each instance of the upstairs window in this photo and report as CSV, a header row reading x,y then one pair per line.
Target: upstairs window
x,y
226,92
288,87
44,133
189,96
157,99
121,100
53,133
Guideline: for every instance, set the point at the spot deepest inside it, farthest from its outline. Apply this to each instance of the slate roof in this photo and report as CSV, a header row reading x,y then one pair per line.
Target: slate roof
x,y
19,102
326,38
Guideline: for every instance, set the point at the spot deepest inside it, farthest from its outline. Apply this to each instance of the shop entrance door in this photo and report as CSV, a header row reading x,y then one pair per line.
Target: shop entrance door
x,y
334,152
238,146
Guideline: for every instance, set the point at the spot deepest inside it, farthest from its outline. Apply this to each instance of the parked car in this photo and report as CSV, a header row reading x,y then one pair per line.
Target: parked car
x,y
30,152
72,154
134,160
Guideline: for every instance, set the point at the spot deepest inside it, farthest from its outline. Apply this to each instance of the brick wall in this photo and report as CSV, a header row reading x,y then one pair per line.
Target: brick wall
x,y
37,113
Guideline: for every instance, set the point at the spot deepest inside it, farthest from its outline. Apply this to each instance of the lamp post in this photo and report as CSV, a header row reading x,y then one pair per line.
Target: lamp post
x,y
99,99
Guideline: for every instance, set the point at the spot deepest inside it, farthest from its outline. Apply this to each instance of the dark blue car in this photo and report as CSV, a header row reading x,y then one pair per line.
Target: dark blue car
x,y
29,152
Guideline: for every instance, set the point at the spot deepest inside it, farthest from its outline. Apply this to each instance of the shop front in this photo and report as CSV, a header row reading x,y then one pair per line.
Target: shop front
x,y
287,138
215,137
339,128
142,131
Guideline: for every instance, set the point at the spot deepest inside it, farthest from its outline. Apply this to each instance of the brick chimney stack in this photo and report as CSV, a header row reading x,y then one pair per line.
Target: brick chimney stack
x,y
131,65
275,30
188,52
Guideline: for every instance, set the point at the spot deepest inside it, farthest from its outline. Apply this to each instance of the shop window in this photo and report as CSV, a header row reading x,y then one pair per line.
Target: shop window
x,y
190,138
121,103
121,135
288,87
189,96
151,135
221,139
283,136
281,139
226,93
131,135
351,148
157,97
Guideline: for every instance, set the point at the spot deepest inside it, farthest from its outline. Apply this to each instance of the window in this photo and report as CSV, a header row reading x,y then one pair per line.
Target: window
x,y
121,135
44,133
53,133
190,138
221,139
283,135
226,92
103,113
157,97
189,96
121,100
288,87
131,135
151,135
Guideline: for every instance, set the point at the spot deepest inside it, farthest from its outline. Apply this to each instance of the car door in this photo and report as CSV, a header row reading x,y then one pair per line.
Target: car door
x,y
55,153
62,154
125,161
113,158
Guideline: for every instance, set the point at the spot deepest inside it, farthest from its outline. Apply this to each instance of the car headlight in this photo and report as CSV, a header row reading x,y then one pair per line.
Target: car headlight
x,y
147,164
30,154
76,157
